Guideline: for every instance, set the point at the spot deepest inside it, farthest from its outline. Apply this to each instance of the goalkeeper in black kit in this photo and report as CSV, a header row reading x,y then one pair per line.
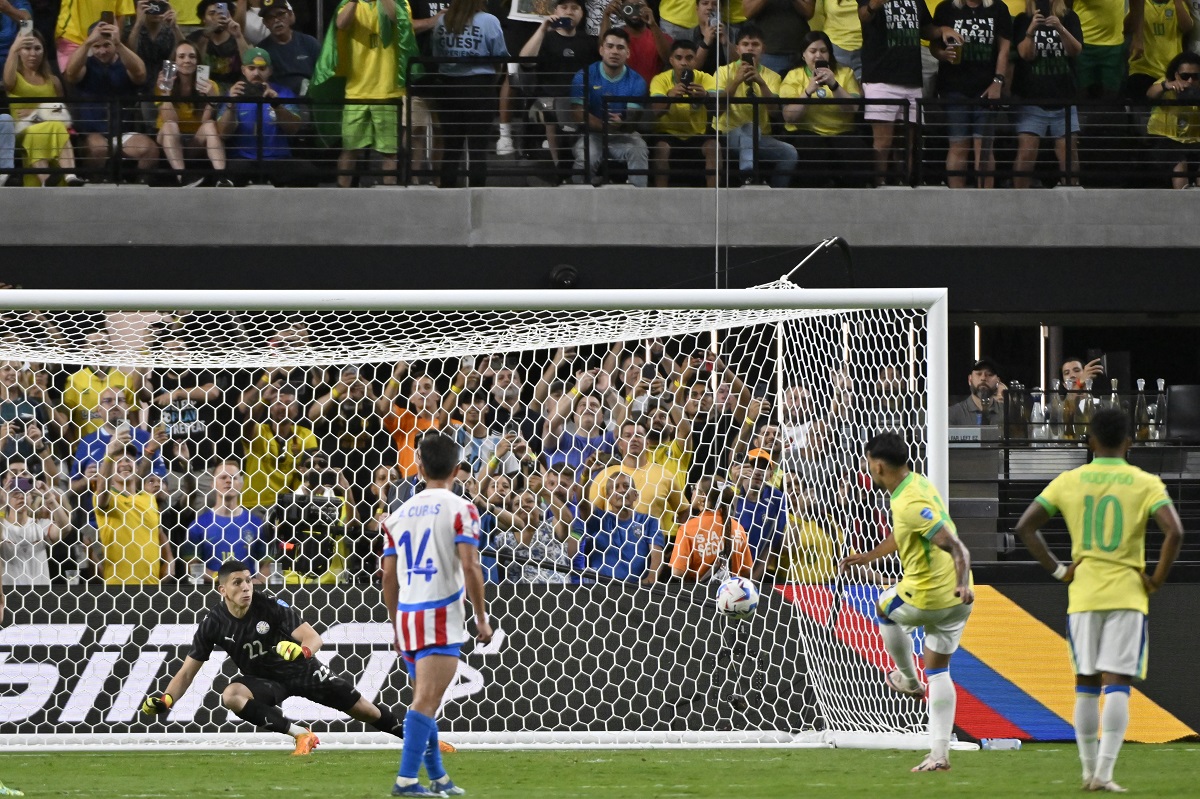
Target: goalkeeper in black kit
x,y
273,649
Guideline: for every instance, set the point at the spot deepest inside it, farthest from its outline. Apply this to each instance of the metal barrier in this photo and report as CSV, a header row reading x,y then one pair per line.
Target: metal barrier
x,y
442,131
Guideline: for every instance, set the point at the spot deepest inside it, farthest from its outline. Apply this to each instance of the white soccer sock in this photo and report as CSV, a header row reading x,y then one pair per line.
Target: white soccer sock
x,y
506,129
899,645
1114,719
296,730
1087,727
942,700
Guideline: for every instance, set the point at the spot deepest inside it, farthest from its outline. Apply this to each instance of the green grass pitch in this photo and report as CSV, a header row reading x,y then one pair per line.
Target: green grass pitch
x,y
1035,771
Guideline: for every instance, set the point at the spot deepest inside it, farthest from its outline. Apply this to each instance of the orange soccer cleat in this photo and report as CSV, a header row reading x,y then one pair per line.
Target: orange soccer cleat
x,y
445,747
305,743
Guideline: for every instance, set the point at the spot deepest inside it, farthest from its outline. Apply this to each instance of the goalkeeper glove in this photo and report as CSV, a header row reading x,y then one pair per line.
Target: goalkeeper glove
x,y
155,705
290,650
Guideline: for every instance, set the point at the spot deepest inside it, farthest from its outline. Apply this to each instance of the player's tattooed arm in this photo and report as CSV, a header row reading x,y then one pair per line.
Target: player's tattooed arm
x,y
962,563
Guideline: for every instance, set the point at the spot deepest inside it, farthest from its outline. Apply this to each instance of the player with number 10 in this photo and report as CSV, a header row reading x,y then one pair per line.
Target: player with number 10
x,y
430,559
1106,505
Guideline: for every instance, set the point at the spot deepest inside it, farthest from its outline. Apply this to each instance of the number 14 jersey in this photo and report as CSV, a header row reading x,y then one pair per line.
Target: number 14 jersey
x,y
423,535
1106,505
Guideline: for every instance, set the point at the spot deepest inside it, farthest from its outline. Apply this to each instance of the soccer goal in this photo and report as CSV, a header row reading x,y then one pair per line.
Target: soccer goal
x,y
626,450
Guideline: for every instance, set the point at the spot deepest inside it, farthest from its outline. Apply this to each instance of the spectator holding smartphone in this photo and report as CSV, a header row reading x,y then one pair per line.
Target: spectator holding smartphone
x,y
1048,39
823,131
246,125
745,78
709,36
27,75
613,77
681,126
186,123
154,35
649,47
34,518
220,42
103,69
76,18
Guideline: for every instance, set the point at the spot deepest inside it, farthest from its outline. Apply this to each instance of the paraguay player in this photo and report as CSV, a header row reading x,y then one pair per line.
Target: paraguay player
x,y
935,592
273,649
430,558
1106,505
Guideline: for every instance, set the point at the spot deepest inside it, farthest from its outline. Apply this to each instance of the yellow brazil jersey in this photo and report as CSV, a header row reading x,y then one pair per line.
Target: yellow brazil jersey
x,y
672,454
373,71
811,551
839,19
76,16
678,12
1102,21
660,492
819,118
81,396
737,115
1178,122
682,120
918,512
732,12
271,463
1106,505
129,534
1161,38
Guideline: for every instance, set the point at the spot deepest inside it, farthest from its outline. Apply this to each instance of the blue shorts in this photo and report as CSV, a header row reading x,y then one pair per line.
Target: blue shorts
x,y
970,121
411,657
1037,121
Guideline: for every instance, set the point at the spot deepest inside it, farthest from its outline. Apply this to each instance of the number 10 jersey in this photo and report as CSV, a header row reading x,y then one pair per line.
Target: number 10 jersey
x,y
1106,505
423,535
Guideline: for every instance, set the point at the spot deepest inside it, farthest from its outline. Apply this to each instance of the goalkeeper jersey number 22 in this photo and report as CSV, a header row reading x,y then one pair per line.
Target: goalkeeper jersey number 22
x,y
423,535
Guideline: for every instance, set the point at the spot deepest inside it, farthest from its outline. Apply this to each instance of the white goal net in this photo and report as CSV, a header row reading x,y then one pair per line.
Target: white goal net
x,y
626,450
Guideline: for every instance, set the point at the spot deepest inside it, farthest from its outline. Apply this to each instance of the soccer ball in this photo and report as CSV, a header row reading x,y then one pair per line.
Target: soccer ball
x,y
737,598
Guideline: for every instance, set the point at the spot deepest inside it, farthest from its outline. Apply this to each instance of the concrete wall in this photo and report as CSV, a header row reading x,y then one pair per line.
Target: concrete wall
x,y
583,216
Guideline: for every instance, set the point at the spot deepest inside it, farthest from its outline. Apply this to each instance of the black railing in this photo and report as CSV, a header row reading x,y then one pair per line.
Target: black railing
x,y
1112,147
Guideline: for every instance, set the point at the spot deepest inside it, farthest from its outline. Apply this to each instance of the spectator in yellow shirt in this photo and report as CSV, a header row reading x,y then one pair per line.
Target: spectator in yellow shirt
x,y
681,126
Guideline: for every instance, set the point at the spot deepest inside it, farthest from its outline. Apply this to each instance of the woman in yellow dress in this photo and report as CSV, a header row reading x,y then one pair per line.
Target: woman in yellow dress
x,y
27,75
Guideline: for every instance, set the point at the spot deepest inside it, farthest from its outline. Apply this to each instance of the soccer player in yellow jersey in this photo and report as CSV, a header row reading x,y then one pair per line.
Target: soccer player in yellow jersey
x,y
935,593
1106,505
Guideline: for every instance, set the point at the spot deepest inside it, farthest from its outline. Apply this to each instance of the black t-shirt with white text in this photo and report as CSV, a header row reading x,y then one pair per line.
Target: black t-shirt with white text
x,y
982,29
1052,74
891,51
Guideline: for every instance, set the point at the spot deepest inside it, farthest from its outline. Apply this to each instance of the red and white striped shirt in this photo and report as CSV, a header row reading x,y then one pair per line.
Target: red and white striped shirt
x,y
423,535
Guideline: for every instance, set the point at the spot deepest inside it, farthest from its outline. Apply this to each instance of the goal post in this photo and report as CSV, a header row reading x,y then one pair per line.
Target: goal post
x,y
149,435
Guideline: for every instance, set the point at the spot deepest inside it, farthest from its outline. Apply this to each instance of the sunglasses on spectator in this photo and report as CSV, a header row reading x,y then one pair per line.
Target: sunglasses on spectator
x,y
1187,75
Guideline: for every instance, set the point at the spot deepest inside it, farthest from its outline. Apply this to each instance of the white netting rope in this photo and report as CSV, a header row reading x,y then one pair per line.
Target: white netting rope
x,y
560,414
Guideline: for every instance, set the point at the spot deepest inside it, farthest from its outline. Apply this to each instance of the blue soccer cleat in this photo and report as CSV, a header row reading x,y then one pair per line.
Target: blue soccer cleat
x,y
416,789
447,786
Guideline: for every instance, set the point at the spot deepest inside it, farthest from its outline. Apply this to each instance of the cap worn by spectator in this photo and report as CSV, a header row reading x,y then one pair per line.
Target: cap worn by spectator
x,y
273,5
760,455
988,364
256,57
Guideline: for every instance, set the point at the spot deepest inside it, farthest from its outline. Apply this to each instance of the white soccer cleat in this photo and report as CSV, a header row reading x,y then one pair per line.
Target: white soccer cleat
x,y
1110,786
504,146
895,680
930,763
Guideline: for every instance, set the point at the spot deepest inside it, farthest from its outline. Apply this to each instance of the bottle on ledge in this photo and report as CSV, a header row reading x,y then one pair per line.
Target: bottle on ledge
x,y
1054,411
1141,413
1160,411
1083,419
1039,429
1114,398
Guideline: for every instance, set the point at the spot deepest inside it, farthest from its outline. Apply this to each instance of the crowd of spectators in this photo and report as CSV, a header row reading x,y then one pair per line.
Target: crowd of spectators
x,y
778,80
639,461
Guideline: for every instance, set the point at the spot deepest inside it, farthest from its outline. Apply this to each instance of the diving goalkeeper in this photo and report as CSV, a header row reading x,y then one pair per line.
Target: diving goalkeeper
x,y
273,649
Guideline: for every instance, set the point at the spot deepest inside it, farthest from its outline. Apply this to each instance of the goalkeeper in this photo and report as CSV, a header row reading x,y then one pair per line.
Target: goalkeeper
x,y
273,649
